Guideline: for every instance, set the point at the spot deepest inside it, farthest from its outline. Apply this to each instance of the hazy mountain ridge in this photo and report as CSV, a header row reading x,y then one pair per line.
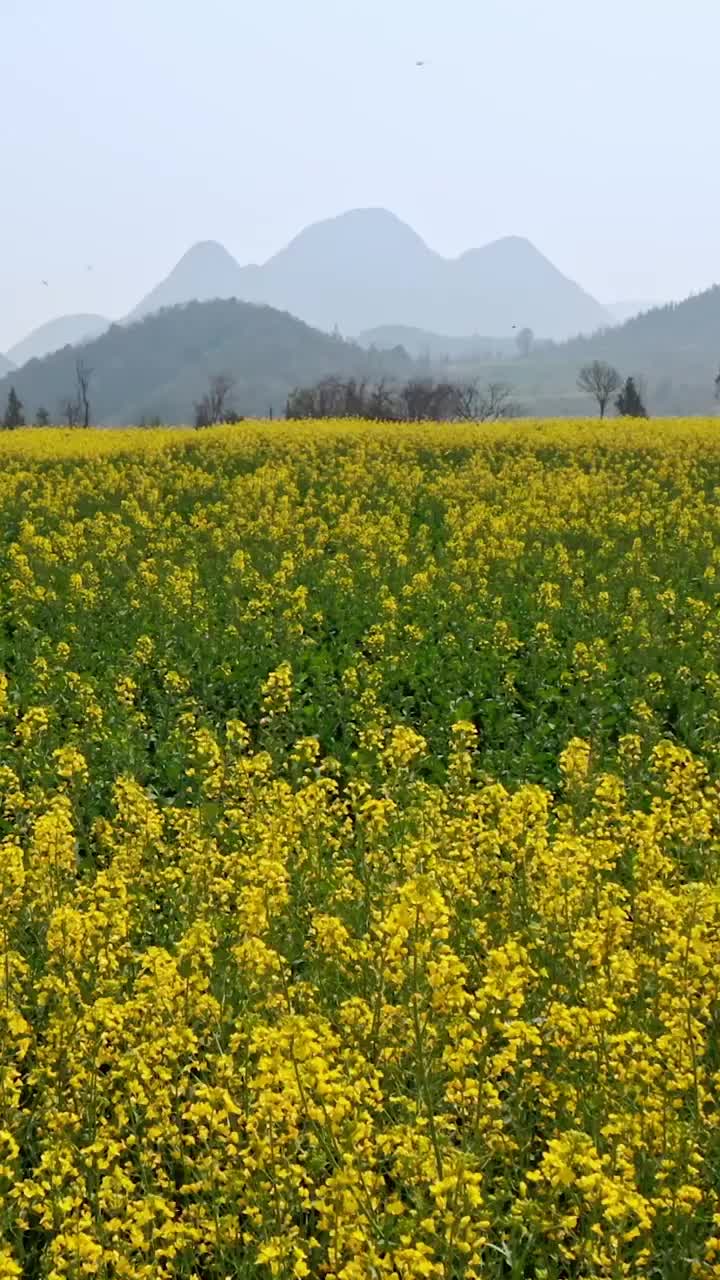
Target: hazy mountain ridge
x,y
161,366
205,273
143,369
55,334
6,366
664,330
367,268
362,270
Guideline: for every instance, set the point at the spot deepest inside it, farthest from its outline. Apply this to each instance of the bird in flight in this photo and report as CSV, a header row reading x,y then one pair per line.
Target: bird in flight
x,y
421,63
45,283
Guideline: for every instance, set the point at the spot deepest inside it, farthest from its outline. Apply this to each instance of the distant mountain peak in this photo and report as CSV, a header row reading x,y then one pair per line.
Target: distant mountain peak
x,y
206,271
364,213
513,242
368,231
366,267
205,251
370,216
516,250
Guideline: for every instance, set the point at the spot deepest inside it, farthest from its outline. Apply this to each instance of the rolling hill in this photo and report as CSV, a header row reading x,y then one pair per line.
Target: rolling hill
x,y
676,328
63,332
673,350
161,366
367,268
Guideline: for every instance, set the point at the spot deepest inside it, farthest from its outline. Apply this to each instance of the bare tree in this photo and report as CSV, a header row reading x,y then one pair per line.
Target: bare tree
x,y
600,381
300,403
202,412
416,397
70,410
490,403
214,407
496,402
524,342
382,403
419,400
444,401
220,387
426,401
83,376
717,387
467,396
334,398
352,398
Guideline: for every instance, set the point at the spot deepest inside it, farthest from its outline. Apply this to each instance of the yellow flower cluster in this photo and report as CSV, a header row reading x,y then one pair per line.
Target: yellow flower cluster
x,y
360,853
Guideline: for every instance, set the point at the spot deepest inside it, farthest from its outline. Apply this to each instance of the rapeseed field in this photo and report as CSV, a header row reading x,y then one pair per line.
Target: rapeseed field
x,y
360,852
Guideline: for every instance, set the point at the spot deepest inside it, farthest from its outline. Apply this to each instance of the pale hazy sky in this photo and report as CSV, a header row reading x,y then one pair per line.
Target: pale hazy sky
x,y
132,128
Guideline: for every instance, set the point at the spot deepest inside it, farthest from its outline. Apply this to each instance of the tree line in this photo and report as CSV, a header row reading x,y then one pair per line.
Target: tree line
x,y
421,399
417,400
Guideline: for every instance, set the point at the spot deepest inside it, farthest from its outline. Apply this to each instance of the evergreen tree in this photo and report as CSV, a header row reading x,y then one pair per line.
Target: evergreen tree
x,y
629,403
14,413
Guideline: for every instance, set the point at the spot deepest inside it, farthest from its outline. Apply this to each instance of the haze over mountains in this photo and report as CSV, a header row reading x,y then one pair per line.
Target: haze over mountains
x,y
362,270
367,268
161,365
364,273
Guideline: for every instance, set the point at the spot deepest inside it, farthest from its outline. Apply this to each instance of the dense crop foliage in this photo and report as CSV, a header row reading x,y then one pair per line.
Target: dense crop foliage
x,y
359,853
